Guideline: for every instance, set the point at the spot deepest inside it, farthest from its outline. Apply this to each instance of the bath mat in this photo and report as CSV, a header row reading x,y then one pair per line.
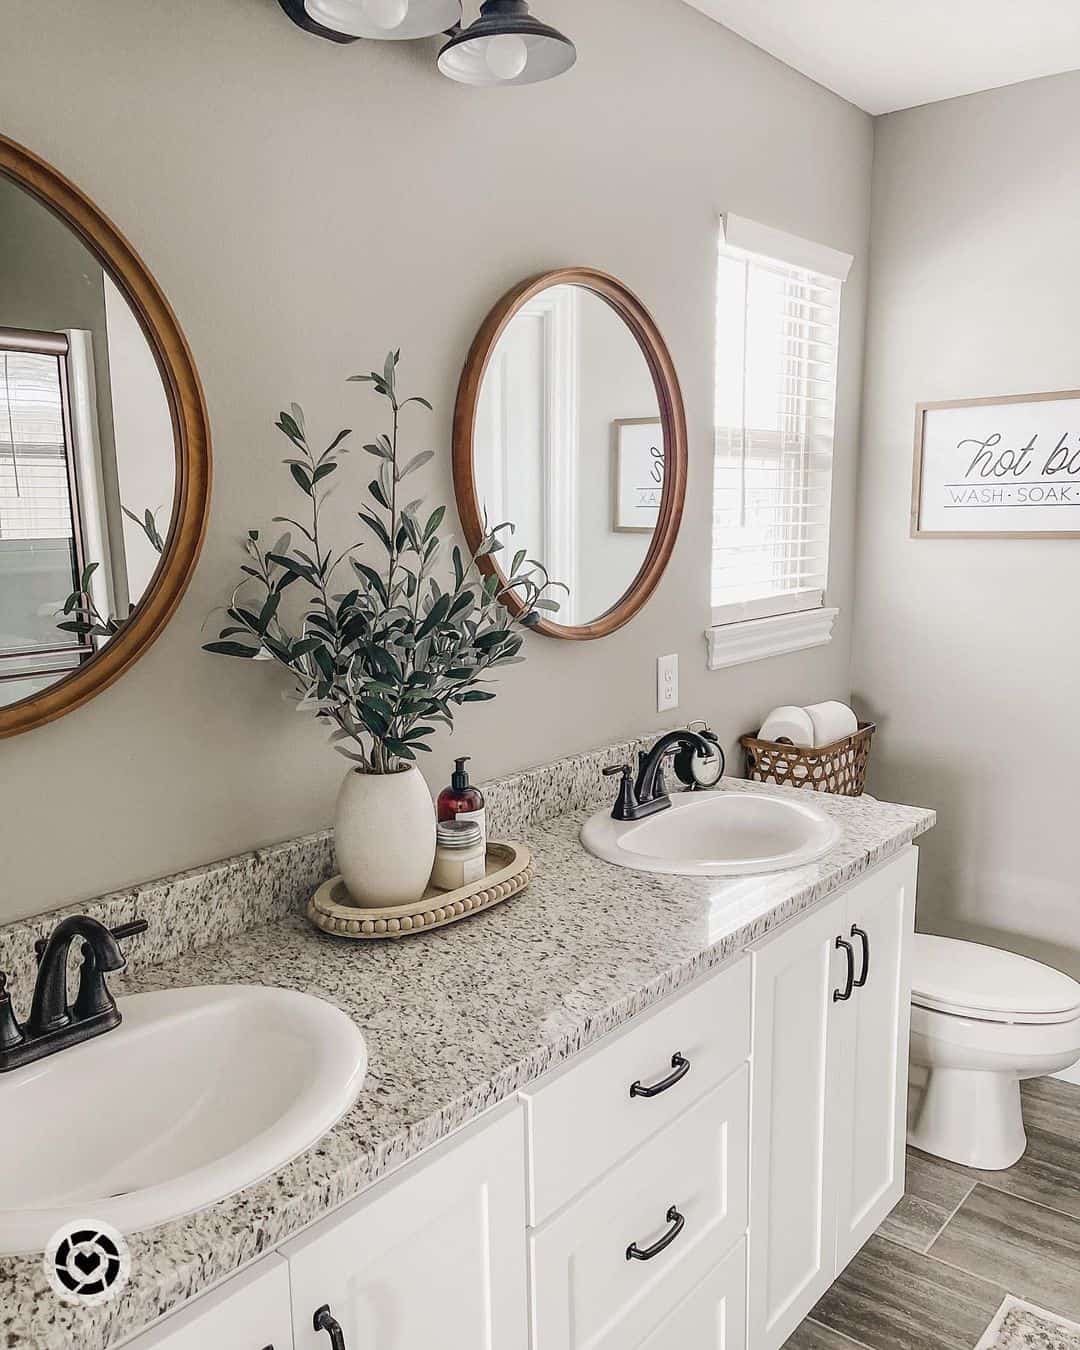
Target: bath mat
x,y
1021,1326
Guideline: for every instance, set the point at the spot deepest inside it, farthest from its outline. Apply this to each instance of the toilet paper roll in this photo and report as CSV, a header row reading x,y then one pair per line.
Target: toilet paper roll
x,y
831,721
788,723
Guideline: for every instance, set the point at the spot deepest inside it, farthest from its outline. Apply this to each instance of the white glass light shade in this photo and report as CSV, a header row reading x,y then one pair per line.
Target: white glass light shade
x,y
397,20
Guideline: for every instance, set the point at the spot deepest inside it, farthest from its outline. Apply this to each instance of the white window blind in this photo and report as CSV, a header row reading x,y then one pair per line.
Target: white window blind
x,y
35,498
777,333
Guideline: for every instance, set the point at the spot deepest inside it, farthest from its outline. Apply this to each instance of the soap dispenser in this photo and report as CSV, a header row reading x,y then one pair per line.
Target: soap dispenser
x,y
462,801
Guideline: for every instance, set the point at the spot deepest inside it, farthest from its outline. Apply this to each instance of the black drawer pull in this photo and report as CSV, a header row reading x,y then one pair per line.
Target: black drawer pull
x,y
864,937
678,1223
849,985
680,1066
323,1321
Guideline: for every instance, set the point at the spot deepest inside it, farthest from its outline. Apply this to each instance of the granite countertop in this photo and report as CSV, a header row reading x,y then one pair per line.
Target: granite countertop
x,y
455,1021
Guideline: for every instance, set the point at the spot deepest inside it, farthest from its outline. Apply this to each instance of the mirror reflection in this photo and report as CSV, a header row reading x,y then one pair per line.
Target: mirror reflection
x,y
569,445
87,459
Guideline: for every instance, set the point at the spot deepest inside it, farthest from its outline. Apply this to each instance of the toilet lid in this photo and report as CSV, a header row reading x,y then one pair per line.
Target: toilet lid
x,y
965,978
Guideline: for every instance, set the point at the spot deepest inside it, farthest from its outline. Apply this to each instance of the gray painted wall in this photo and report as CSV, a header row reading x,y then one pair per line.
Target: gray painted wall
x,y
965,649
305,206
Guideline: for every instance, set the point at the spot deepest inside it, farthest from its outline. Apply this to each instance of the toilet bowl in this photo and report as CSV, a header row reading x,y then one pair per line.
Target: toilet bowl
x,y
981,1020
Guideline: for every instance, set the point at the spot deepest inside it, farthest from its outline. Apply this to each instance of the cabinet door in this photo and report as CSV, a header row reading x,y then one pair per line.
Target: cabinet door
x,y
792,1181
713,1316
871,1034
249,1312
433,1258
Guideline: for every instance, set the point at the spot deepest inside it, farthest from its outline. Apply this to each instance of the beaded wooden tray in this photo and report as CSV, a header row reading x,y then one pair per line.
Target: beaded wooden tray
x,y
509,870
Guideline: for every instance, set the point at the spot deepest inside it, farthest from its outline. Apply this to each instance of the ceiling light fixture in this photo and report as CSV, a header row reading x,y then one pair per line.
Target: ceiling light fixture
x,y
506,45
394,20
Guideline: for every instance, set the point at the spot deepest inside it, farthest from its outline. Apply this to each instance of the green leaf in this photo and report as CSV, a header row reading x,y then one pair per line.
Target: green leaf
x,y
434,521
375,488
422,401
74,626
323,471
417,462
230,649
301,477
88,572
476,696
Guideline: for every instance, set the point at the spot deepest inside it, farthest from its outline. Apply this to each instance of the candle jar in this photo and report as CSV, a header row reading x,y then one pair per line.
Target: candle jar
x,y
460,855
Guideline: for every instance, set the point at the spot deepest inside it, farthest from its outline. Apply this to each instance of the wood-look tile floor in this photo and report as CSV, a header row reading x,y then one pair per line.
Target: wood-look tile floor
x,y
937,1269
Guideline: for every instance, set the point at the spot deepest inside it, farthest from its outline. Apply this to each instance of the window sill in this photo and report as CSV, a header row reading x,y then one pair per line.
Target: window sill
x,y
734,644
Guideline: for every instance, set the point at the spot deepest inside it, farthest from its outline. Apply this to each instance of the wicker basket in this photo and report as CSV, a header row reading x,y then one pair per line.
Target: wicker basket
x,y
839,767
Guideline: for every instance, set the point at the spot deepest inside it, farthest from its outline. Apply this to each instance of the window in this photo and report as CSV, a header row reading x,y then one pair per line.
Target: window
x,y
48,502
778,313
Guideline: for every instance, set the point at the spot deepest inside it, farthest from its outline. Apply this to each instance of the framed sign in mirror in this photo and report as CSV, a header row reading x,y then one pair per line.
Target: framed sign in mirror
x,y
570,424
104,449
998,468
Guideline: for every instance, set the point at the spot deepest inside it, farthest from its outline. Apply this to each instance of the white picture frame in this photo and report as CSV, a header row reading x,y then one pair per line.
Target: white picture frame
x,y
997,468
638,479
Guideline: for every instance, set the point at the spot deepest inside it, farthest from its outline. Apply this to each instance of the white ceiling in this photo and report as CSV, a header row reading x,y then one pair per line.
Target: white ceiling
x,y
887,54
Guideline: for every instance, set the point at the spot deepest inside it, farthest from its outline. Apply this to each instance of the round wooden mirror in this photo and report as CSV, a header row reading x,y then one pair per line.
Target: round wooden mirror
x,y
570,424
104,449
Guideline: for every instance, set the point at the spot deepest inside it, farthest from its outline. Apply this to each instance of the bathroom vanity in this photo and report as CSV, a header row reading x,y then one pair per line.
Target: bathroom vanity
x,y
631,1110
619,1200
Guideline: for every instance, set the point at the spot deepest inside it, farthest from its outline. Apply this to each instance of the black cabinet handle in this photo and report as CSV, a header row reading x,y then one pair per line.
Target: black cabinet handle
x,y
849,985
323,1321
678,1223
864,937
680,1066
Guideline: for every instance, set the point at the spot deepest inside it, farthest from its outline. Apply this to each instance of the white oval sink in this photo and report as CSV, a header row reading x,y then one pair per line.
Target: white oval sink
x,y
197,1094
716,834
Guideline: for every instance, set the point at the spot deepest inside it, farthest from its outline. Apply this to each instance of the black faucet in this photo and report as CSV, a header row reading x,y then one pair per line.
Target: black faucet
x,y
53,1024
648,794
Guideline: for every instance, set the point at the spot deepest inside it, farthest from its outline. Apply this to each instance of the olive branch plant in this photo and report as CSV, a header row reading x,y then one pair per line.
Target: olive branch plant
x,y
389,654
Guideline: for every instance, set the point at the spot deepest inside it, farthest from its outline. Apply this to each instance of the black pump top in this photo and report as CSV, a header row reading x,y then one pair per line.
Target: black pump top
x,y
459,779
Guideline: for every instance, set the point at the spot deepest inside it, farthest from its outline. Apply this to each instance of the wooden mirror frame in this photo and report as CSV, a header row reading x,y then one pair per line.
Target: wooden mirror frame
x,y
191,438
672,418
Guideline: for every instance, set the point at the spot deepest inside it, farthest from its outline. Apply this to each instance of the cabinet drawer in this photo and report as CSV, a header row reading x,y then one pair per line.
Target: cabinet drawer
x,y
689,1181
582,1118
249,1312
711,1317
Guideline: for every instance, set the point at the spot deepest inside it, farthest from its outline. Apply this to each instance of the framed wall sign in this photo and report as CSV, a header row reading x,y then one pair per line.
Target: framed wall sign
x,y
639,473
998,468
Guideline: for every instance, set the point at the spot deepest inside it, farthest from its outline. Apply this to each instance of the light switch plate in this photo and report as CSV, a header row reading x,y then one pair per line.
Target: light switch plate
x,y
667,682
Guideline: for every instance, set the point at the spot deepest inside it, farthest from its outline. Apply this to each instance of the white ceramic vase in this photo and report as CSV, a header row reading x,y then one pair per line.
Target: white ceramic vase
x,y
384,836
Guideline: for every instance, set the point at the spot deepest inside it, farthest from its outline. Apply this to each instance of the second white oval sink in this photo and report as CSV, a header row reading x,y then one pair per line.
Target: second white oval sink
x,y
716,834
197,1094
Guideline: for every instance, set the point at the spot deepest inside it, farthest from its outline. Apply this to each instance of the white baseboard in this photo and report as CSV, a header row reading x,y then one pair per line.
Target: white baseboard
x,y
1070,1075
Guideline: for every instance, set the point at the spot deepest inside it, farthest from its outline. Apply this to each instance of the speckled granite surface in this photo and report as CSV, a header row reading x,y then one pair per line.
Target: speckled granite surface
x,y
186,911
455,1021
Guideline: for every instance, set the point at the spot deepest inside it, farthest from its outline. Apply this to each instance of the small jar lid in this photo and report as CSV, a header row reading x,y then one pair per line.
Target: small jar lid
x,y
457,833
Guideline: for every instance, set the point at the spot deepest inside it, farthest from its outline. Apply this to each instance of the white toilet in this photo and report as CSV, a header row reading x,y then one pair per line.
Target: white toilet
x,y
981,1020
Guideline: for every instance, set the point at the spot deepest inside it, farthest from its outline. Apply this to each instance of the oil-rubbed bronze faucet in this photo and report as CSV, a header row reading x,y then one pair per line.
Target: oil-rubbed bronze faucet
x,y
648,794
53,1024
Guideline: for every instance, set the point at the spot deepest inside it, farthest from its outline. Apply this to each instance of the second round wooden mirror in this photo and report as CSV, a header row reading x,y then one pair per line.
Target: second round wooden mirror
x,y
570,423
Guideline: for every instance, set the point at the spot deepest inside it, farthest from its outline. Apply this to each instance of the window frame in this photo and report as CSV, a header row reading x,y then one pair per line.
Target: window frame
x,y
770,625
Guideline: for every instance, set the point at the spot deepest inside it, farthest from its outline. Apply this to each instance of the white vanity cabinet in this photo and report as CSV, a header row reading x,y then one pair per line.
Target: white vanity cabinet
x,y
249,1312
434,1257
829,1091
696,1179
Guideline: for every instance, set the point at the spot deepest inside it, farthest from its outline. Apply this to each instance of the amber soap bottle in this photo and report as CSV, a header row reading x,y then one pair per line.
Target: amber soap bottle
x,y
462,801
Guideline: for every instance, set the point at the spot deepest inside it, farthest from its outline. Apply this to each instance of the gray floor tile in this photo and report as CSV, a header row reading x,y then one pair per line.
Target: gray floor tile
x,y
1048,1173
932,1191
1051,1105
891,1298
1032,1251
813,1336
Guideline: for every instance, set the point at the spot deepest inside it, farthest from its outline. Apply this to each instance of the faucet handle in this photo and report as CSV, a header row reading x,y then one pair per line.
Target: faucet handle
x,y
626,802
11,1034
